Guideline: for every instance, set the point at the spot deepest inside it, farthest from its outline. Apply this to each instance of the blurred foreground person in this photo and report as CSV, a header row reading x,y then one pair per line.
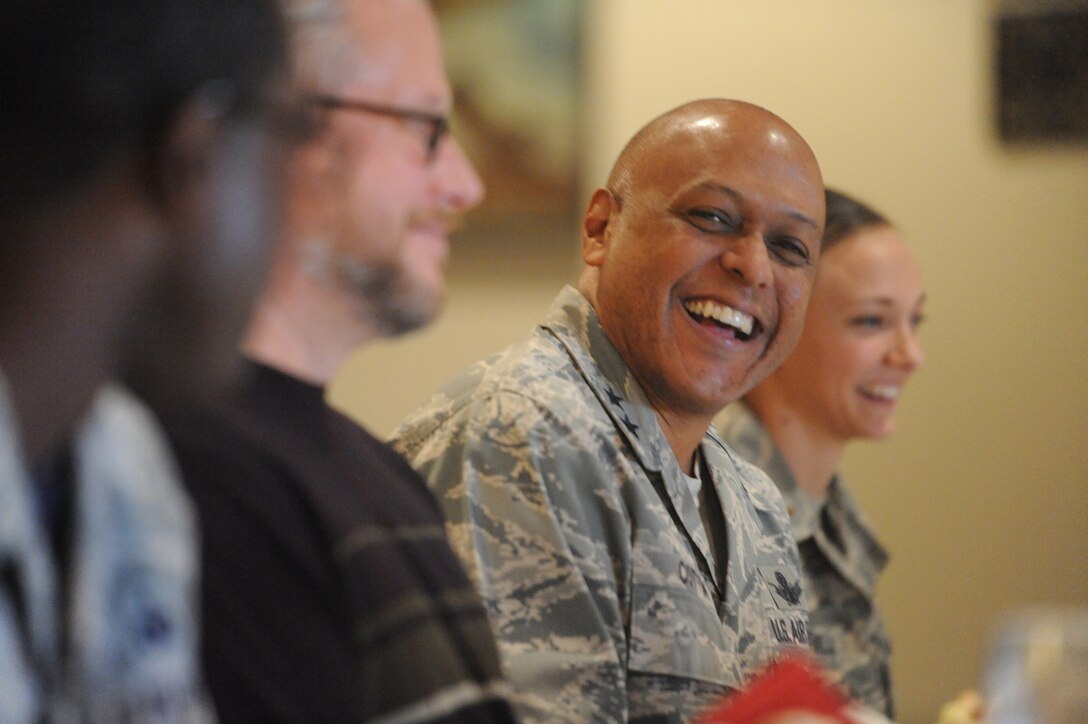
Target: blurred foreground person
x,y
331,593
140,152
858,349
634,568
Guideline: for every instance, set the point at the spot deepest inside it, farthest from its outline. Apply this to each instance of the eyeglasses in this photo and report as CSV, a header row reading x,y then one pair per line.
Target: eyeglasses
x,y
439,125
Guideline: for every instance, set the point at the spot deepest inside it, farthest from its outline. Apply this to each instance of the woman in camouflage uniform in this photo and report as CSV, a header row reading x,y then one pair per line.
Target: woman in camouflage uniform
x,y
842,382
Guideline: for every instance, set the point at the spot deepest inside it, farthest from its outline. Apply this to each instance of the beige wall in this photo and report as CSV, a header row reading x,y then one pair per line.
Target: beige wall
x,y
982,494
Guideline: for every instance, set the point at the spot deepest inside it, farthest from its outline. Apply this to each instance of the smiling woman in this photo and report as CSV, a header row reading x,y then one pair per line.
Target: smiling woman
x,y
859,347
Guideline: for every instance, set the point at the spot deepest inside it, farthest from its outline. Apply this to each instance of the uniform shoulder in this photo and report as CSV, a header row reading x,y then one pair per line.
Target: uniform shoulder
x,y
536,373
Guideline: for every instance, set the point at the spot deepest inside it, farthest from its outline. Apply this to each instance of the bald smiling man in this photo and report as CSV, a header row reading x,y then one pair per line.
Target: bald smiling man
x,y
633,566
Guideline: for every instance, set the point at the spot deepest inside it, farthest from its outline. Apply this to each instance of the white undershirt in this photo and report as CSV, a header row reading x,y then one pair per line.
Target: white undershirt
x,y
710,513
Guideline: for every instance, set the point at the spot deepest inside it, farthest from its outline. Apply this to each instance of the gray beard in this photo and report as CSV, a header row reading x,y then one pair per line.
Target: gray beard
x,y
380,294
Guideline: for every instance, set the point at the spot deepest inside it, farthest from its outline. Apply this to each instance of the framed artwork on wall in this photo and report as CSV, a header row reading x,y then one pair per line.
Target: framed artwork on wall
x,y
515,67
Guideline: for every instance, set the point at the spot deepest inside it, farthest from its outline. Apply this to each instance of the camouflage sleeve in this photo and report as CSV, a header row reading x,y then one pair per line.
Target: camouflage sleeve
x,y
534,514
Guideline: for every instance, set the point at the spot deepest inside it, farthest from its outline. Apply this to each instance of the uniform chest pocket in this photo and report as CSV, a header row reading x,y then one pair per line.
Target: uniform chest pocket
x,y
678,632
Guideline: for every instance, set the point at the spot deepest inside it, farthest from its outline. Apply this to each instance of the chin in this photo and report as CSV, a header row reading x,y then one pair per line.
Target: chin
x,y
409,312
879,432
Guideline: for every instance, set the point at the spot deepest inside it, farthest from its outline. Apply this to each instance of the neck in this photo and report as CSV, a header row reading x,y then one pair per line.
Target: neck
x,y
683,437
813,457
49,398
303,327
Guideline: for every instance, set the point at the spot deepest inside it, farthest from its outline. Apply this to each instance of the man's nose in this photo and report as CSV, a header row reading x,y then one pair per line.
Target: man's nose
x,y
457,180
747,257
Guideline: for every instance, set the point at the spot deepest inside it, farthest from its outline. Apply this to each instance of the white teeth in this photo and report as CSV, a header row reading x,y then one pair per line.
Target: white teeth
x,y
882,392
722,313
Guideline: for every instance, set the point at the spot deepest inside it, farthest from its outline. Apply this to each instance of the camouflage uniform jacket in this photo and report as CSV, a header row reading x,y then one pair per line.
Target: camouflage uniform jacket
x,y
573,518
841,559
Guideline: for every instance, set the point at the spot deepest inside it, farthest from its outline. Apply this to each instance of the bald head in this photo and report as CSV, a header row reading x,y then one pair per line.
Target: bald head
x,y
716,125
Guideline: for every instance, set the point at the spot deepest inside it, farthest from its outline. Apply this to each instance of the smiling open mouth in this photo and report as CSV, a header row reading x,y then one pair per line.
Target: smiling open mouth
x,y
704,311
883,393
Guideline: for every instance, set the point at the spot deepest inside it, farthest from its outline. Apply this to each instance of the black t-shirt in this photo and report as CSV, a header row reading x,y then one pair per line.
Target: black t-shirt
x,y
330,593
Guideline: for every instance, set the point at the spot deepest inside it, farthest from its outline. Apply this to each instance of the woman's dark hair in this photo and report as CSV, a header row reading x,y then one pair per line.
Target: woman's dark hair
x,y
83,82
845,216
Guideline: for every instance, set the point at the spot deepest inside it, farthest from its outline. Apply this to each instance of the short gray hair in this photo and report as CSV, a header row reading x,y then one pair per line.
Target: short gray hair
x,y
321,44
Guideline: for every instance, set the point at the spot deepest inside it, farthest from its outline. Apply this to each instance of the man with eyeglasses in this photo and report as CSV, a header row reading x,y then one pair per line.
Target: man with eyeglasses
x,y
331,593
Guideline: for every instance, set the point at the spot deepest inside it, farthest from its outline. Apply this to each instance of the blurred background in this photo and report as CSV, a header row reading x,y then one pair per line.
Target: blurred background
x,y
982,494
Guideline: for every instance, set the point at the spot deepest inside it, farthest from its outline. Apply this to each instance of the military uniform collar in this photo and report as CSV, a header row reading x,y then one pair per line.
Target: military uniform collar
x,y
575,324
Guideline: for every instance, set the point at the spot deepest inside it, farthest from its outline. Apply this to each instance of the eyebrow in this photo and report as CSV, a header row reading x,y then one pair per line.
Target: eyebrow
x,y
736,195
890,301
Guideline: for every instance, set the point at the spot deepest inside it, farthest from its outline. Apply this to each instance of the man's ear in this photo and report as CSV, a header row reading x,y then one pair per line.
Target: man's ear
x,y
595,223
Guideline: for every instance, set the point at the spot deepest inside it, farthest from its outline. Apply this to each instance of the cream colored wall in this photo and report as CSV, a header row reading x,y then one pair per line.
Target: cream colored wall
x,y
497,293
982,494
